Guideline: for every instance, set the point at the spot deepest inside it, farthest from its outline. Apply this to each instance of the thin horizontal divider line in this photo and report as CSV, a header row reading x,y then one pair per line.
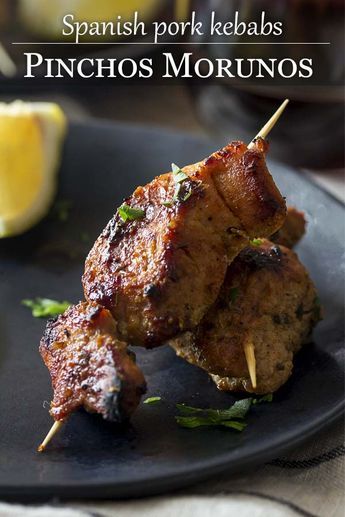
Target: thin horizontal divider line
x,y
171,43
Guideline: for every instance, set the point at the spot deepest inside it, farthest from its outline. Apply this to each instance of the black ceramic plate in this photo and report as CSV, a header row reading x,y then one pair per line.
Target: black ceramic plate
x,y
91,458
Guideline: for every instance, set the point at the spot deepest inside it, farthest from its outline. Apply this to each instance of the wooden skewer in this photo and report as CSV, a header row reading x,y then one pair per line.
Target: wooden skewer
x,y
270,124
54,429
251,361
248,347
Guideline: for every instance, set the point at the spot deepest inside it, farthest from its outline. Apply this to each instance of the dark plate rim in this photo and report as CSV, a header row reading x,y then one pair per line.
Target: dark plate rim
x,y
179,477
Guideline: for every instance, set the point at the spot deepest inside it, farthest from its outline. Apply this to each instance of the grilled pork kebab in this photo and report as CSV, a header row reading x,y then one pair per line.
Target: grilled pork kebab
x,y
154,272
89,366
267,299
160,262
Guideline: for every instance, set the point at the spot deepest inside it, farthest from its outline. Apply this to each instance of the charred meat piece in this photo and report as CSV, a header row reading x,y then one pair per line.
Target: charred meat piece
x,y
160,270
89,367
292,230
267,299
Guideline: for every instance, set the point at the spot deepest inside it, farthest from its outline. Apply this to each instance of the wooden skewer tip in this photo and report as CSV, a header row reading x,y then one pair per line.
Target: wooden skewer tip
x,y
251,361
54,429
270,123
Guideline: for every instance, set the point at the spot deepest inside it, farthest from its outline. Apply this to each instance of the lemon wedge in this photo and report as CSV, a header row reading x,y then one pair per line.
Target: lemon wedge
x,y
31,137
45,18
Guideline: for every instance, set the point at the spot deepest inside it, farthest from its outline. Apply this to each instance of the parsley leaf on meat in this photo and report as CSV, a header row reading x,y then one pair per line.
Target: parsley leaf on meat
x,y
127,213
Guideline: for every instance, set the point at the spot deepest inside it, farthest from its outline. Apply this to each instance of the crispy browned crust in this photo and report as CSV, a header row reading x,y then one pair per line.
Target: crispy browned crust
x,y
267,299
292,230
244,182
158,275
89,367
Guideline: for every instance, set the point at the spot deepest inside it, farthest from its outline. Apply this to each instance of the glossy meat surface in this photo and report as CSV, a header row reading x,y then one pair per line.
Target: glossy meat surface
x,y
158,274
267,299
89,367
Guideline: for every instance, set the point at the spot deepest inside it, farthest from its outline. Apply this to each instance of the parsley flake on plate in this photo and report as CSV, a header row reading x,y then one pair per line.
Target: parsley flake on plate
x,y
152,400
192,417
232,417
46,308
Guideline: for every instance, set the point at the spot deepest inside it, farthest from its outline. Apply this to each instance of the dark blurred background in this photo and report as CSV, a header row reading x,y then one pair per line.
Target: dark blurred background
x,y
312,132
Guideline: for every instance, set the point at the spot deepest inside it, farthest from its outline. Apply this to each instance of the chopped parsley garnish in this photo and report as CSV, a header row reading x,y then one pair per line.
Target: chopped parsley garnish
x,y
264,398
127,213
255,242
195,417
152,400
46,308
178,174
232,417
183,190
194,421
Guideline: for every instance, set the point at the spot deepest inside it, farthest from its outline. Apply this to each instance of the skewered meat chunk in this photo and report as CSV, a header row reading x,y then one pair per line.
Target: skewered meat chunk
x,y
160,271
89,367
292,230
267,299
